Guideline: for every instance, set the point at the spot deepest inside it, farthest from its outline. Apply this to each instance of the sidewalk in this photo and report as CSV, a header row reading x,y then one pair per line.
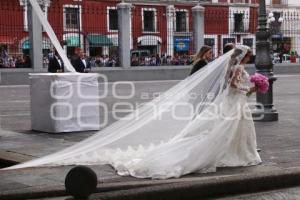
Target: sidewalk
x,y
279,141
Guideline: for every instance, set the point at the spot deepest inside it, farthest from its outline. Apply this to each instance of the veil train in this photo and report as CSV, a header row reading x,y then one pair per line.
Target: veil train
x,y
151,125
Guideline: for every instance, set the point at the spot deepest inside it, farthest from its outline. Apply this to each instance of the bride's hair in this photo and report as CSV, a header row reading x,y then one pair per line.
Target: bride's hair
x,y
234,57
238,55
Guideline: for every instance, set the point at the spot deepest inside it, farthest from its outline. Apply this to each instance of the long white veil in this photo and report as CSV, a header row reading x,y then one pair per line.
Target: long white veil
x,y
155,123
168,117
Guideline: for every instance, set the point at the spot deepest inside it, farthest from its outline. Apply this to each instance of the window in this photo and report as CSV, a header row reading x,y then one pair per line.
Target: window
x,y
149,21
239,19
209,42
112,19
248,42
181,21
228,40
212,41
72,20
238,22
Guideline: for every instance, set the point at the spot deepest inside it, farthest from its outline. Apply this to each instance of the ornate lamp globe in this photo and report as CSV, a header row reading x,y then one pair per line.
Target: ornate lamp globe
x,y
272,19
271,15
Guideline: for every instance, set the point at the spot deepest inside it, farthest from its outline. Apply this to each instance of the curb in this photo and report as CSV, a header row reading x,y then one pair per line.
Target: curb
x,y
214,187
183,188
42,191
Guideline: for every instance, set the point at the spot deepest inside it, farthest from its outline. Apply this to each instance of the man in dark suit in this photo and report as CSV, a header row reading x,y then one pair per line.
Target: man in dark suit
x,y
87,63
55,63
78,61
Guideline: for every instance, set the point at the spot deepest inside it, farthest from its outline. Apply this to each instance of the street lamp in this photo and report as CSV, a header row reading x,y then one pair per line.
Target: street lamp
x,y
264,65
274,24
78,20
271,18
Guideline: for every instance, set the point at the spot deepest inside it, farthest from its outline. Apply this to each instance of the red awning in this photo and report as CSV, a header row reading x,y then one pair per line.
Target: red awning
x,y
4,39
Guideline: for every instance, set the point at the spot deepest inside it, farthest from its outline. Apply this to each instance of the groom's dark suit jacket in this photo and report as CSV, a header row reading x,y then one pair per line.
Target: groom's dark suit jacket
x,y
54,65
77,64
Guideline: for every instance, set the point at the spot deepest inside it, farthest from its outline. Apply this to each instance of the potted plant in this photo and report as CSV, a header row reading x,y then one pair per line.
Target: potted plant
x,y
293,57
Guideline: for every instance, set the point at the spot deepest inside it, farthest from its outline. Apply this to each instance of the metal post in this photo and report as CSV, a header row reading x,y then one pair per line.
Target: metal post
x,y
264,66
79,22
124,17
35,39
170,30
198,27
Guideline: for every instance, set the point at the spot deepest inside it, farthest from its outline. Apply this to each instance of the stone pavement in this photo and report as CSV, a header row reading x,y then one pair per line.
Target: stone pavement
x,y
279,141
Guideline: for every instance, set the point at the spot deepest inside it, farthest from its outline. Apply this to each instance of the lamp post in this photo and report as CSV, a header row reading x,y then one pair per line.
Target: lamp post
x,y
274,24
78,20
264,65
272,21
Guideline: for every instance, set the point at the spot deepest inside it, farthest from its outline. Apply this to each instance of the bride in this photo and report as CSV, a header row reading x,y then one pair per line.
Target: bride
x,y
199,124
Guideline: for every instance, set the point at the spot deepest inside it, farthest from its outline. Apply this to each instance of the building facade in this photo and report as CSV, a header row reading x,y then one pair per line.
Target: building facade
x,y
157,27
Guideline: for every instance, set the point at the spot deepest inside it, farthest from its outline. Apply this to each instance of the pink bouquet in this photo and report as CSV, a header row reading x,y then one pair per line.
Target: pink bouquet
x,y
260,81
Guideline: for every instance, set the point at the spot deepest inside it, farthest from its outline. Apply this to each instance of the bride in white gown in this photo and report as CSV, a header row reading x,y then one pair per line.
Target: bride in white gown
x,y
222,136
179,132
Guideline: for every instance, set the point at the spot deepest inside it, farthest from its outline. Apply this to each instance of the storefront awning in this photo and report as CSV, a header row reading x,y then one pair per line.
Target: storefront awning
x,y
114,39
72,41
46,44
26,44
97,40
149,40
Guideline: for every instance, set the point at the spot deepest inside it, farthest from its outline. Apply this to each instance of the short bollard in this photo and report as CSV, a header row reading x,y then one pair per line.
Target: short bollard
x,y
81,182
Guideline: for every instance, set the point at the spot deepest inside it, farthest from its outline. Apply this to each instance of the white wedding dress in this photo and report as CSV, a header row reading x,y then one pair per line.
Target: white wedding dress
x,y
224,139
153,143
